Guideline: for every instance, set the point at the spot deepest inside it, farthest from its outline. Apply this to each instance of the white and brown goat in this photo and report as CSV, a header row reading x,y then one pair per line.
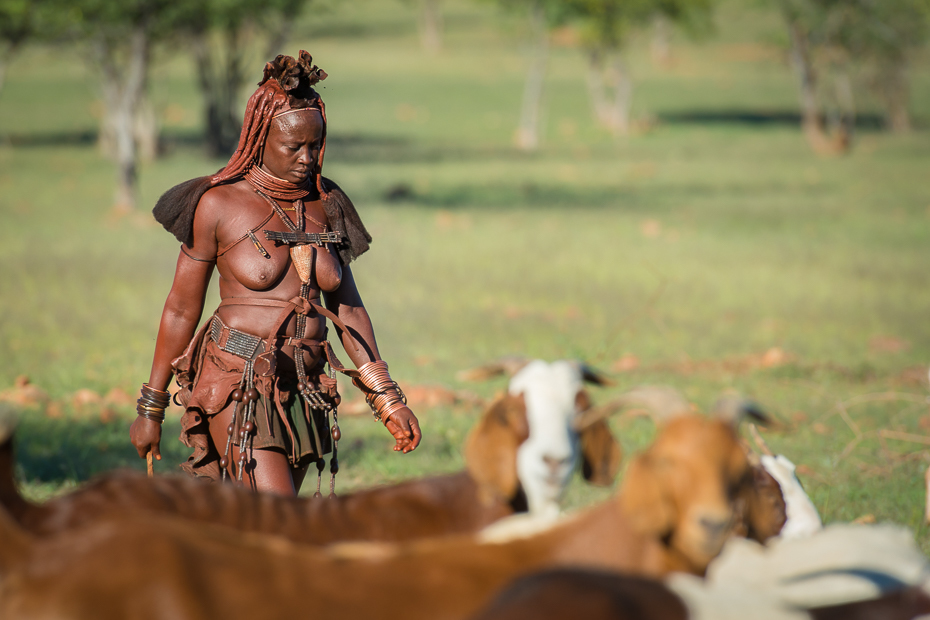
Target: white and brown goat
x,y
555,427
492,487
671,513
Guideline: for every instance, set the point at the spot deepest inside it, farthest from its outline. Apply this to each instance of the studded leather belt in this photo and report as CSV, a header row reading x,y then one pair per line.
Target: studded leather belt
x,y
240,344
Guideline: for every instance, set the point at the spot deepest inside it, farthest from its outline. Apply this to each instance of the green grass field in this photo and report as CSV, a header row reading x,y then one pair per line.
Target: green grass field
x,y
696,246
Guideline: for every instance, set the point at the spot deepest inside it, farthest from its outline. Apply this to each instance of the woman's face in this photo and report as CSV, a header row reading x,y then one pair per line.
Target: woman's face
x,y
293,145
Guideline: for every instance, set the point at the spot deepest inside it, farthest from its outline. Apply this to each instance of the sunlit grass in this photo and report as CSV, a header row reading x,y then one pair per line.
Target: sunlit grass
x,y
695,241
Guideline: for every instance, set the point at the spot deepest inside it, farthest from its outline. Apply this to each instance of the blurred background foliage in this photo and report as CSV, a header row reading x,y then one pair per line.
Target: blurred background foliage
x,y
828,41
718,196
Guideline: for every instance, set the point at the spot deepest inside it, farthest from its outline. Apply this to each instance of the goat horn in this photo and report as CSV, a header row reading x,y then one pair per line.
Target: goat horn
x,y
509,366
733,409
664,403
593,376
756,437
601,412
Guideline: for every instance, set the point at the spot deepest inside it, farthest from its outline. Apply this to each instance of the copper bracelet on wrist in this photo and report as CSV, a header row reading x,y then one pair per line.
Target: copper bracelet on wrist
x,y
382,393
154,418
152,403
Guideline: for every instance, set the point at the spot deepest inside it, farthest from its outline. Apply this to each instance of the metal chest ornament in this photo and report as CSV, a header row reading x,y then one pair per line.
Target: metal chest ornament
x,y
302,248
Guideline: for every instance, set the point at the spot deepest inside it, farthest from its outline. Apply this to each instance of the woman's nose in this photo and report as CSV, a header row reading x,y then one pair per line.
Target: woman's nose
x,y
305,156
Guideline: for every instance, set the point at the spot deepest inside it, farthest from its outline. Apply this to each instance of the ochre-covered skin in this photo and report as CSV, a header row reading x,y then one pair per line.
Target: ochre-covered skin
x,y
139,566
284,135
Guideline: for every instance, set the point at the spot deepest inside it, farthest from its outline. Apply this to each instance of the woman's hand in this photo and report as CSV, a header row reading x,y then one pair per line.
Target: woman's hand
x,y
405,428
145,435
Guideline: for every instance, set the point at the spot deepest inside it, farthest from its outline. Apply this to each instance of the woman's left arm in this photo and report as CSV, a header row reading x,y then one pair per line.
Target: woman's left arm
x,y
346,303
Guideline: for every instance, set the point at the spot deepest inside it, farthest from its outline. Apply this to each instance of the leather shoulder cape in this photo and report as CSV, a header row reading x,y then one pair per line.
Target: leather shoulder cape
x,y
175,211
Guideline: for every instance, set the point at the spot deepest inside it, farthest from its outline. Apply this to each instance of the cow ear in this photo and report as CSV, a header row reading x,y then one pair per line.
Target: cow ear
x,y
491,447
643,499
601,455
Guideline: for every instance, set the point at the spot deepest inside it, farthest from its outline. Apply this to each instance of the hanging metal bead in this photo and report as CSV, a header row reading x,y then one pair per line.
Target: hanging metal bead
x,y
224,462
237,395
230,429
251,394
337,434
320,464
249,426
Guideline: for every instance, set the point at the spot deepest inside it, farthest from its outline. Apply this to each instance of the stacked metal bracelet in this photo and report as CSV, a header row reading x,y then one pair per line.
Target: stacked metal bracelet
x,y
152,404
382,393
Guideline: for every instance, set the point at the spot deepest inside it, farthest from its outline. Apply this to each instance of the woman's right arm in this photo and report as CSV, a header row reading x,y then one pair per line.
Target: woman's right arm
x,y
179,319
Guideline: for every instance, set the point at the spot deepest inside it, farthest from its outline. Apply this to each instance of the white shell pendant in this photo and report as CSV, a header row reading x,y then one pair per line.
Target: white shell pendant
x,y
303,257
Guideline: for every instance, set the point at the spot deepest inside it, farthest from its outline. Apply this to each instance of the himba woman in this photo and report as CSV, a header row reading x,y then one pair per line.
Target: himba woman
x,y
258,399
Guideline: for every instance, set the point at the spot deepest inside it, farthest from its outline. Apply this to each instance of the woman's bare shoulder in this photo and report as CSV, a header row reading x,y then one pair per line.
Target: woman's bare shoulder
x,y
216,201
222,195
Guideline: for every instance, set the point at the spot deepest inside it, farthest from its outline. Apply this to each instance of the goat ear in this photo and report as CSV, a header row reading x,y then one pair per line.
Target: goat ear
x,y
733,409
491,447
600,454
765,509
643,500
593,376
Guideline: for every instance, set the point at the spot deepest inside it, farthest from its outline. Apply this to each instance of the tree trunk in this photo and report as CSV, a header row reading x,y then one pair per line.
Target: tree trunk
x,y
6,55
528,130
124,90
596,86
431,26
845,124
611,91
811,117
146,129
660,49
220,76
622,86
894,92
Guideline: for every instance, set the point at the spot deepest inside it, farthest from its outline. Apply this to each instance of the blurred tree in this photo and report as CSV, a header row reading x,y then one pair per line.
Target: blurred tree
x,y
544,16
834,37
883,36
17,25
222,34
660,47
605,27
431,25
119,36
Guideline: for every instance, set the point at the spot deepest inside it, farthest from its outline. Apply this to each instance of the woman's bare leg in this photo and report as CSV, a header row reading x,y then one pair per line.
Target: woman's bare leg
x,y
269,471
265,470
